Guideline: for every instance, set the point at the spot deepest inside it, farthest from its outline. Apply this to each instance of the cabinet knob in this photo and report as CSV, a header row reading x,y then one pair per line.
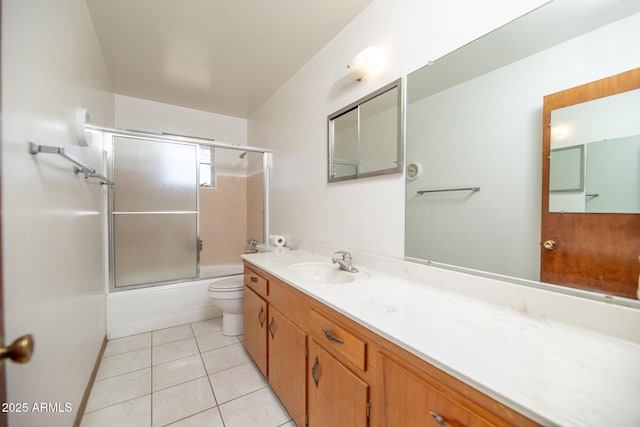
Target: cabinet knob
x,y
441,422
550,245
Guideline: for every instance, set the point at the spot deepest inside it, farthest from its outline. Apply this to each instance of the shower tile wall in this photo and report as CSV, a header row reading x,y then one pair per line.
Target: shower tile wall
x,y
223,221
255,207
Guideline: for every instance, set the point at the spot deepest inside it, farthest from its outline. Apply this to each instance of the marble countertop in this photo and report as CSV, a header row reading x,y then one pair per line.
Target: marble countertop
x,y
554,373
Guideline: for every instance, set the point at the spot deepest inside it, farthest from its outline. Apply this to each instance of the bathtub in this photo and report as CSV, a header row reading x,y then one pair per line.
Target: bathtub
x,y
136,311
220,270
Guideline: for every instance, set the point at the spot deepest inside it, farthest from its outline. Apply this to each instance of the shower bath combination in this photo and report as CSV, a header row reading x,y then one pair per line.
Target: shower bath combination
x,y
164,227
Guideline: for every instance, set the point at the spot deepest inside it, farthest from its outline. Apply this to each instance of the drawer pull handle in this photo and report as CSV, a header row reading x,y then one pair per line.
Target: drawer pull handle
x,y
254,279
441,422
314,372
261,317
271,326
331,337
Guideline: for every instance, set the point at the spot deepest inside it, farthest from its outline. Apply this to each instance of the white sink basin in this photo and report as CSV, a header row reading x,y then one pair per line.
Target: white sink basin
x,y
322,272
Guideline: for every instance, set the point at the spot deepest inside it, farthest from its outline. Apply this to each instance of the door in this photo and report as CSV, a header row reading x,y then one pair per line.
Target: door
x,y
337,397
153,211
593,251
3,382
287,364
20,350
255,328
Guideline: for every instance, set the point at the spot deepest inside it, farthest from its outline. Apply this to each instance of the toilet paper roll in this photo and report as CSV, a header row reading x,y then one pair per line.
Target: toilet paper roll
x,y
278,240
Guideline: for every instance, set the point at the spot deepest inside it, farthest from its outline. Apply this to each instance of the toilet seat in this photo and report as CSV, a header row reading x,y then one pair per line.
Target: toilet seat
x,y
225,287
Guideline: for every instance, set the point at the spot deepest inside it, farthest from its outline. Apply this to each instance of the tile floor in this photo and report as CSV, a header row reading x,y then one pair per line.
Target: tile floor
x,y
188,375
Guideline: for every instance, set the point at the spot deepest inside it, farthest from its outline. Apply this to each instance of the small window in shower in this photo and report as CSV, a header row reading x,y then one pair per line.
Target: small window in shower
x,y
207,175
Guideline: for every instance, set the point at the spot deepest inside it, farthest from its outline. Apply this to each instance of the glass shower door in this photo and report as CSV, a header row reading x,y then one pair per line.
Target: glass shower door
x,y
154,212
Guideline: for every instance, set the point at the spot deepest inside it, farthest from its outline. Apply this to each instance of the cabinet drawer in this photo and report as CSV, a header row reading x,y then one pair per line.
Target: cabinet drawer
x,y
256,282
334,336
408,399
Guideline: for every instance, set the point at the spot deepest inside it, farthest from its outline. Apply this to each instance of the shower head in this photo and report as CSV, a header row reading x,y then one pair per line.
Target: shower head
x,y
244,153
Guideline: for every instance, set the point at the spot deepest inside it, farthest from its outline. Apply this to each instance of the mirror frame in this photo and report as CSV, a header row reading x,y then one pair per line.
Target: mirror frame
x,y
397,84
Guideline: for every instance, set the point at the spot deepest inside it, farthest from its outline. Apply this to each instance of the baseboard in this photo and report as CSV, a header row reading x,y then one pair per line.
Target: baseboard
x,y
92,378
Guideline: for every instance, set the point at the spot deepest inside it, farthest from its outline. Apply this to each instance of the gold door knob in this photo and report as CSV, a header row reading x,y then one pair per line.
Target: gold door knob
x,y
550,245
19,351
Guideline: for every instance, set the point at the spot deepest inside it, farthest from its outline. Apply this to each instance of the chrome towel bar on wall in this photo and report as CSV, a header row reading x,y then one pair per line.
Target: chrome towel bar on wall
x,y
474,189
79,167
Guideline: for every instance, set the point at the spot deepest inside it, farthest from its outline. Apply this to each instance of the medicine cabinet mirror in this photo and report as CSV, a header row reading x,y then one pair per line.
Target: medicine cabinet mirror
x,y
474,119
365,138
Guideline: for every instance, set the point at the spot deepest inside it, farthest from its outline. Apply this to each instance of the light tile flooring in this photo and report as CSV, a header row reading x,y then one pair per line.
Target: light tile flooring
x,y
188,375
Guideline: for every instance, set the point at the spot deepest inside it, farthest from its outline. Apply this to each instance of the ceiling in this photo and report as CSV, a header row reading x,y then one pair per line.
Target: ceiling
x,y
222,56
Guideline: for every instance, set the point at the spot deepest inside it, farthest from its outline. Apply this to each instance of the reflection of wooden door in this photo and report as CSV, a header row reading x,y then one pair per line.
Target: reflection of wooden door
x,y
593,251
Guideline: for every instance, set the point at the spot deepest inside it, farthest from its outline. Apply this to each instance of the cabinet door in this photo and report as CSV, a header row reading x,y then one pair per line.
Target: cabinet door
x,y
255,328
408,400
287,364
337,397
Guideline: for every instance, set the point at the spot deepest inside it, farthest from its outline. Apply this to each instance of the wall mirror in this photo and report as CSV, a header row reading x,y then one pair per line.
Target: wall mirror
x,y
474,121
365,138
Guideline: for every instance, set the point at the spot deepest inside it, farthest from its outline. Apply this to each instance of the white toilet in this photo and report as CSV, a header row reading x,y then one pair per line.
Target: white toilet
x,y
226,294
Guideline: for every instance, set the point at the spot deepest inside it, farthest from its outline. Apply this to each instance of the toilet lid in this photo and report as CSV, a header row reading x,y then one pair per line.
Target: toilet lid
x,y
225,287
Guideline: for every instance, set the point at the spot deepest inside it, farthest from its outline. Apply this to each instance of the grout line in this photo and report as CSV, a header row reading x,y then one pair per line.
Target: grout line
x,y
119,403
182,383
108,356
122,374
215,399
246,394
217,348
207,374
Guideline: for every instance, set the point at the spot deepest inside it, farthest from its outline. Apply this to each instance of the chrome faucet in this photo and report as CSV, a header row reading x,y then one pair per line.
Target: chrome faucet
x,y
344,262
253,249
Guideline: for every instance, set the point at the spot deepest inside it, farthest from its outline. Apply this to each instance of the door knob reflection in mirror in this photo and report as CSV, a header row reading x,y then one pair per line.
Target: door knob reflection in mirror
x,y
19,351
550,245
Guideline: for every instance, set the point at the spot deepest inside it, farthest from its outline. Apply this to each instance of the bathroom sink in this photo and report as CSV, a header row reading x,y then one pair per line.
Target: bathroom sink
x,y
322,272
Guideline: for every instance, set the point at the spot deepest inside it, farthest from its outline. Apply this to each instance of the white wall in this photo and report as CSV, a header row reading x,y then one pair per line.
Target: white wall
x,y
151,116
499,149
53,221
366,214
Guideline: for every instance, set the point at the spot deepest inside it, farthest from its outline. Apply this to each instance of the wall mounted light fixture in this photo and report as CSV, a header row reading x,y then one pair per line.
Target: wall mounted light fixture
x,y
82,120
365,64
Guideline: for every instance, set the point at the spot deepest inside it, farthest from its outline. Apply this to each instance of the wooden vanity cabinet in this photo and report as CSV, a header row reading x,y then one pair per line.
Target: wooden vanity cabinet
x,y
257,282
352,376
287,364
337,397
255,327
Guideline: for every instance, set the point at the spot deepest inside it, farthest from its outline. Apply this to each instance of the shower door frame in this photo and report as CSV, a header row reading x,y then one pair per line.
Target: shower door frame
x,y
108,135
